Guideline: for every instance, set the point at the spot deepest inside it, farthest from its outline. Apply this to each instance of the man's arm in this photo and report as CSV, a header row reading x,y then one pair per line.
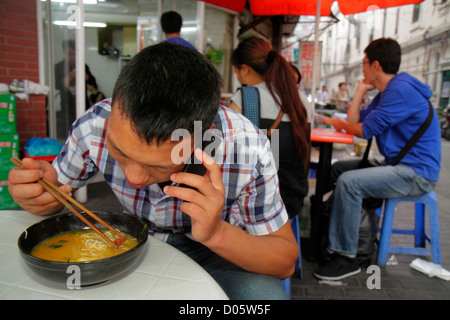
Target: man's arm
x,y
30,195
342,125
352,124
355,107
273,254
234,107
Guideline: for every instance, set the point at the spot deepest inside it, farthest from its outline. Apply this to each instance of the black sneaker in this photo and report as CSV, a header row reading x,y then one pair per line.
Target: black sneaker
x,y
337,267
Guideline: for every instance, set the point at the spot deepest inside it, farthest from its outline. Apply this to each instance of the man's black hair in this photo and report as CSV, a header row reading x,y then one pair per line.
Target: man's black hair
x,y
171,22
167,87
387,52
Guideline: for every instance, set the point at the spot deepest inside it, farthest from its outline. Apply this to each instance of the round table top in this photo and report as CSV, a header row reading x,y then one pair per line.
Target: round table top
x,y
163,273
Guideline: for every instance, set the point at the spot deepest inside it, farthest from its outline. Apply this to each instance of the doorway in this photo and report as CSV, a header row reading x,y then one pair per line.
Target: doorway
x,y
113,32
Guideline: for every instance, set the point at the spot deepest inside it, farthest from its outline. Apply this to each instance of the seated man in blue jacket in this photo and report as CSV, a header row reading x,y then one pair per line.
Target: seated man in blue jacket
x,y
393,116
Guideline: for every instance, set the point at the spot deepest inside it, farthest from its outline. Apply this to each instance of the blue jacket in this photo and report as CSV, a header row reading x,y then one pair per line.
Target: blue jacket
x,y
395,114
181,41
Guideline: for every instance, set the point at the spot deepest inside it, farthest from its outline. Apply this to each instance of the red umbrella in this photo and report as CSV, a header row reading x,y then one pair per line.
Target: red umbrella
x,y
308,8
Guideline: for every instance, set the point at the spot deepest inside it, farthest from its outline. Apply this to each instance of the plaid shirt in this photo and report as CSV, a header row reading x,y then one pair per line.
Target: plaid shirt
x,y
252,197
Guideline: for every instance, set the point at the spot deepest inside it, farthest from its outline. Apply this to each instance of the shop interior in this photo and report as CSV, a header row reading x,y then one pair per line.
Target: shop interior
x,y
115,30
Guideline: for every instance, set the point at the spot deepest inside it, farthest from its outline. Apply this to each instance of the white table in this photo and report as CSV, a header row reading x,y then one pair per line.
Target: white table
x,y
163,273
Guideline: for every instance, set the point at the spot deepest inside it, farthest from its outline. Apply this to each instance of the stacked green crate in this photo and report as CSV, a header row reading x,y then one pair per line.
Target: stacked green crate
x,y
6,201
9,147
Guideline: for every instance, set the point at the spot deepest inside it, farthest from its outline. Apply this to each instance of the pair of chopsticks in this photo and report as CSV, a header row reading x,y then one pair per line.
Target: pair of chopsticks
x,y
67,200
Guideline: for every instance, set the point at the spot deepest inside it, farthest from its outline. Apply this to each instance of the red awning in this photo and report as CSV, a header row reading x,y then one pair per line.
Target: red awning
x,y
306,7
235,5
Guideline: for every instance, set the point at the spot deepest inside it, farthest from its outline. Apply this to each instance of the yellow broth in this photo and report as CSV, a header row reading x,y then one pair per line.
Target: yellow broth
x,y
81,245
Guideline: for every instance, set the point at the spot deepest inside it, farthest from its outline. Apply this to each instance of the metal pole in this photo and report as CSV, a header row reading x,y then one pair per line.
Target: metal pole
x,y
80,72
316,59
80,63
51,74
40,42
201,25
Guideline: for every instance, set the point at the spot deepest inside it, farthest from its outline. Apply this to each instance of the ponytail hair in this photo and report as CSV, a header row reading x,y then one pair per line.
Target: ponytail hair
x,y
280,80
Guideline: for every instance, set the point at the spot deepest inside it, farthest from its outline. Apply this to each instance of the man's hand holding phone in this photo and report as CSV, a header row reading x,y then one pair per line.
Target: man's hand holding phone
x,y
205,198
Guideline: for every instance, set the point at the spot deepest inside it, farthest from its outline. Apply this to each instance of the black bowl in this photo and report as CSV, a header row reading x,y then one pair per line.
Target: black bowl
x,y
90,272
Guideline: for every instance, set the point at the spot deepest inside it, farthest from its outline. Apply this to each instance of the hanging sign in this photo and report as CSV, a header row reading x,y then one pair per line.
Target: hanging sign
x,y
306,63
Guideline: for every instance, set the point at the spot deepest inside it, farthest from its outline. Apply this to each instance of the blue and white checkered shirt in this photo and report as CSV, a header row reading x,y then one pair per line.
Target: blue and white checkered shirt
x,y
252,197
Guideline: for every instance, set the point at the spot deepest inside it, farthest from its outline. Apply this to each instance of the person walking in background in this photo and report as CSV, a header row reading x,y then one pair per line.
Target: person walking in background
x,y
171,23
257,65
65,89
322,97
95,94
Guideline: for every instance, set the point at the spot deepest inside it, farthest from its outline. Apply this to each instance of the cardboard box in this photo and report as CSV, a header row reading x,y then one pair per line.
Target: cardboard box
x,y
7,113
9,148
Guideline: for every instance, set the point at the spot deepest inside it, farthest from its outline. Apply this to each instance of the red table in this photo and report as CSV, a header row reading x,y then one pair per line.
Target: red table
x,y
324,138
330,136
44,158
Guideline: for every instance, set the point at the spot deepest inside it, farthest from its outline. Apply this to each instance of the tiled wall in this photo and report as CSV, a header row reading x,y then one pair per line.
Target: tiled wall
x,y
19,60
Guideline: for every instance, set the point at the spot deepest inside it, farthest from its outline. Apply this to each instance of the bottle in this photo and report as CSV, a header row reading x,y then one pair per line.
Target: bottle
x,y
14,154
11,113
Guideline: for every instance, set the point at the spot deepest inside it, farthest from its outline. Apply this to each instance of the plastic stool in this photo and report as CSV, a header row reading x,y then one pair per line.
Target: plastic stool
x,y
312,173
420,237
295,224
286,283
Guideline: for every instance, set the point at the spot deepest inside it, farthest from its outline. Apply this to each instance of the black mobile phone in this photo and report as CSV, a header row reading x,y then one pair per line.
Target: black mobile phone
x,y
194,167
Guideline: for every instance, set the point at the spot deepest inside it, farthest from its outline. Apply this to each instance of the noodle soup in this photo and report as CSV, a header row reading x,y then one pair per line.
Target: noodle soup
x,y
81,245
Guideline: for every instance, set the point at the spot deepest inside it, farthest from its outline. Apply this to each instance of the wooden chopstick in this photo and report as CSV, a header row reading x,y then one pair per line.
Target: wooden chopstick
x,y
78,214
67,200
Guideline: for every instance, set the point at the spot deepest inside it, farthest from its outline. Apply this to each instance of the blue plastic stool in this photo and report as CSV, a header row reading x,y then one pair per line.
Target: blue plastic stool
x,y
420,237
295,224
286,283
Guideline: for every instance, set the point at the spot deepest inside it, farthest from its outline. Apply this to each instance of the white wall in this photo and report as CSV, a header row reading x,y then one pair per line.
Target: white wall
x,y
104,68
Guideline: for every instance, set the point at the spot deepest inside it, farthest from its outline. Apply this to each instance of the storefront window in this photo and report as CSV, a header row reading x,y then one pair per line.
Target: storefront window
x,y
188,10
117,31
60,53
445,90
219,43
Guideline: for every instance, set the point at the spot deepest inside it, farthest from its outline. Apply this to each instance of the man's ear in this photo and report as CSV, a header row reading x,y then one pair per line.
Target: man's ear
x,y
377,66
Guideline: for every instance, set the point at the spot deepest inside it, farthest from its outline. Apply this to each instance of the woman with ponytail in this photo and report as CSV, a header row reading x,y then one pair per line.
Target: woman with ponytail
x,y
257,65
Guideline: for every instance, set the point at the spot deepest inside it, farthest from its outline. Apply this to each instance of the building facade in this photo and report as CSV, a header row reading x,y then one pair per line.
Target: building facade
x,y
422,30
